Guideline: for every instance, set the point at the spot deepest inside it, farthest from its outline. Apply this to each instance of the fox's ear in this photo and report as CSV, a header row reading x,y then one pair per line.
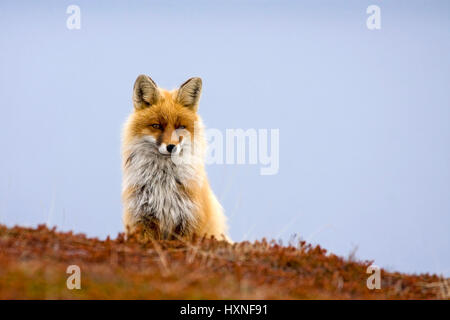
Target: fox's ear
x,y
145,92
189,93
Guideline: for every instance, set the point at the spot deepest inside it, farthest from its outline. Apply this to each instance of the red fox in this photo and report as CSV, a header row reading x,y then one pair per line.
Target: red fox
x,y
165,189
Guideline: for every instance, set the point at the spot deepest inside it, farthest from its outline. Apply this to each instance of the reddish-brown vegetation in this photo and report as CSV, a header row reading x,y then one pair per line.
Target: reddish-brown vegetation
x,y
33,265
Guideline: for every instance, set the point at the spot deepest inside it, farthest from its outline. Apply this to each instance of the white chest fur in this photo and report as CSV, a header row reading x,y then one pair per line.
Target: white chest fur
x,y
158,185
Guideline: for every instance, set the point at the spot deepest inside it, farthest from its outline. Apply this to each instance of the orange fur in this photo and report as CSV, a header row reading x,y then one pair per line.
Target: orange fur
x,y
167,111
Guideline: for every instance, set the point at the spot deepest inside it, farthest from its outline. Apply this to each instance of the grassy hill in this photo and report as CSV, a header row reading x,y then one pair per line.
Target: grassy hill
x,y
33,264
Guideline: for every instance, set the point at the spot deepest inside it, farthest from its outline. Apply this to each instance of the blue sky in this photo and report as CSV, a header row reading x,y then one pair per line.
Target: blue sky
x,y
363,116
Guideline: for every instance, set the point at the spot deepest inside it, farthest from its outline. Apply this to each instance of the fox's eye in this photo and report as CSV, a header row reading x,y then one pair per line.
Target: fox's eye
x,y
181,127
156,126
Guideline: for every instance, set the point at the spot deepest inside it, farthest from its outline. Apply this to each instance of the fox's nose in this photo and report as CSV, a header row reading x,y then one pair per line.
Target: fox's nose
x,y
170,147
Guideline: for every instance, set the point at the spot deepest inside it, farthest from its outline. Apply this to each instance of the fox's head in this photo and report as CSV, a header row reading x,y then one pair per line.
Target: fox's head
x,y
166,119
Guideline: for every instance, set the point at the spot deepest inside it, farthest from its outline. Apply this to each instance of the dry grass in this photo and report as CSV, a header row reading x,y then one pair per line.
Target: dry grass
x,y
33,265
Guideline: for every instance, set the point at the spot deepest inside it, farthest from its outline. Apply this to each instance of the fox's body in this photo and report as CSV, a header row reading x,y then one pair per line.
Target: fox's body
x,y
166,193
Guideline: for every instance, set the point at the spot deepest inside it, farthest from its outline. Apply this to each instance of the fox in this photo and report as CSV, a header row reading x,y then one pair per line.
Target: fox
x,y
166,194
